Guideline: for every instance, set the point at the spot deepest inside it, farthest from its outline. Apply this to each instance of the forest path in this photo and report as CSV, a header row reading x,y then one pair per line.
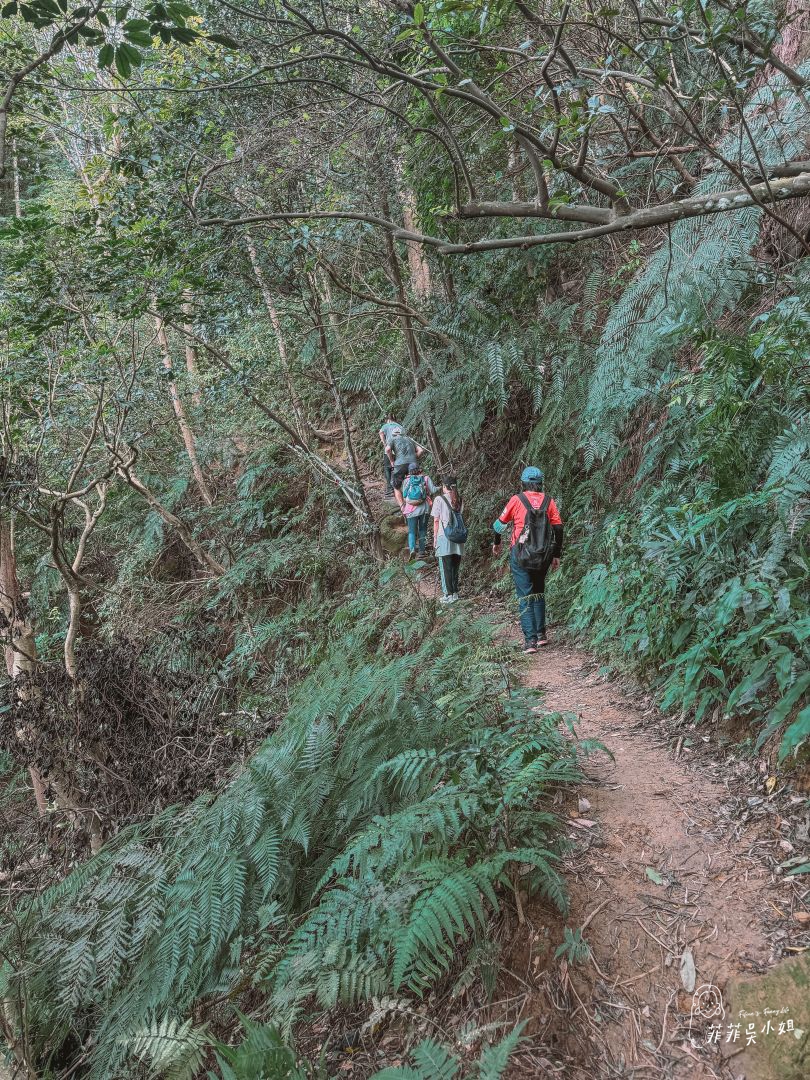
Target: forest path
x,y
669,883
668,877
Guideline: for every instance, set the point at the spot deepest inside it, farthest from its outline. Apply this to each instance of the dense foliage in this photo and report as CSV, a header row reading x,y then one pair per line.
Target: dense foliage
x,y
274,783
362,839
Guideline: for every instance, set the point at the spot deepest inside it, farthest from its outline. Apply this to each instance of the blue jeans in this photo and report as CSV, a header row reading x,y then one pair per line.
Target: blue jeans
x,y
417,525
529,586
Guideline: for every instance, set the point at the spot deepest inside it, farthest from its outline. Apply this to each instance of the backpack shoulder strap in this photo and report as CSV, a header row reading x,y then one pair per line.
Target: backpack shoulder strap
x,y
541,509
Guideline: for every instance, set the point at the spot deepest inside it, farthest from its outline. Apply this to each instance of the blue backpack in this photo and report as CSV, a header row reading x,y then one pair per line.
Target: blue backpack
x,y
455,530
415,490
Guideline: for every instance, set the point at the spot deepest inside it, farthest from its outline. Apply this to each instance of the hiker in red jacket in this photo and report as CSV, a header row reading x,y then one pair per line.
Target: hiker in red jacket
x,y
537,538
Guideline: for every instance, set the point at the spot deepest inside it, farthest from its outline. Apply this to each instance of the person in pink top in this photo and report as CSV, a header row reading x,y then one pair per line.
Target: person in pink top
x,y
537,539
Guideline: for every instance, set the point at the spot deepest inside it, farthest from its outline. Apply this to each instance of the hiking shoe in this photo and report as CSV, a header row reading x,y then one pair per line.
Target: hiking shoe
x,y
529,647
411,556
541,641
445,600
453,597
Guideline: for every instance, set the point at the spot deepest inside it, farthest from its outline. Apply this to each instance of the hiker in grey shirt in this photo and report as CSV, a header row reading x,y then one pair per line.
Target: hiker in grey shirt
x,y
385,433
402,452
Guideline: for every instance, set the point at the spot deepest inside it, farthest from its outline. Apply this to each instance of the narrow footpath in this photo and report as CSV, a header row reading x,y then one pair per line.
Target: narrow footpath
x,y
675,878
677,889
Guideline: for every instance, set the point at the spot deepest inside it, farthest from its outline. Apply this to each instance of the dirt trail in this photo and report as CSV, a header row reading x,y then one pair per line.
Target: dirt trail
x,y
668,870
660,867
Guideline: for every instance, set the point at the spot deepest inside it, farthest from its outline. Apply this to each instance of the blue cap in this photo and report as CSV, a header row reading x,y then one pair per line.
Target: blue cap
x,y
531,475
414,468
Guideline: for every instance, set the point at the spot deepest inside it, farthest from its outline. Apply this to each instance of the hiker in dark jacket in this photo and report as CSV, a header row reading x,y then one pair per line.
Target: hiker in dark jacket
x,y
385,433
530,580
402,452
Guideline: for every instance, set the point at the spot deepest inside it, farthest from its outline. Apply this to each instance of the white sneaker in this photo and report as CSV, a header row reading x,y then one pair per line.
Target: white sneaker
x,y
445,599
451,599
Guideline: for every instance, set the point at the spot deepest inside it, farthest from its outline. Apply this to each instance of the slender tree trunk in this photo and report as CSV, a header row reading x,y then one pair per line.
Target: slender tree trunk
x,y
71,578
301,423
778,242
410,338
15,166
179,411
340,405
67,796
192,366
21,650
417,261
295,444
21,647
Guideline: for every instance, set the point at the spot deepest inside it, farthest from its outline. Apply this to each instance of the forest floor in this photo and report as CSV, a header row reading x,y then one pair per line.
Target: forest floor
x,y
675,882
674,876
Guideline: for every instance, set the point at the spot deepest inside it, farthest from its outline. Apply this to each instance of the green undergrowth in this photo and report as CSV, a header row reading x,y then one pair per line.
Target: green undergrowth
x,y
359,851
696,578
263,1053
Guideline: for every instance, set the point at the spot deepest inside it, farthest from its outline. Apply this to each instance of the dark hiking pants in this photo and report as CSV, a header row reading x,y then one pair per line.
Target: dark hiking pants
x,y
448,572
529,587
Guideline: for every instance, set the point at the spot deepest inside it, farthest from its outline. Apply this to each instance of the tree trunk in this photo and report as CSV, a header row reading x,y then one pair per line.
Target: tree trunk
x,y
348,442
180,412
192,366
778,243
71,578
21,647
417,262
295,444
301,423
410,339
15,166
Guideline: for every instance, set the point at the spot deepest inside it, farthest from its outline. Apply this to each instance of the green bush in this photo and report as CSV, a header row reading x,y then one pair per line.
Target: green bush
x,y
699,582
362,843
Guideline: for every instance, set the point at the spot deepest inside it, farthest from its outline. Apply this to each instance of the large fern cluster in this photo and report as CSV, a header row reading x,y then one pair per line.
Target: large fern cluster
x,y
700,583
364,841
699,272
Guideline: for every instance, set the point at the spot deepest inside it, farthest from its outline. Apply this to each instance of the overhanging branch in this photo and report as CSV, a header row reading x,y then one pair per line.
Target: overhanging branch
x,y
786,184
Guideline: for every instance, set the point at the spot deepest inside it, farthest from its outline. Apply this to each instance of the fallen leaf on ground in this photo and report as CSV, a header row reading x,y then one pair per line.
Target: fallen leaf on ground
x,y
654,876
688,970
582,823
584,805
802,916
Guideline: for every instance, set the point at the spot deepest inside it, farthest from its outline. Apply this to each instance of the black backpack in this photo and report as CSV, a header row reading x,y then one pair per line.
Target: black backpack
x,y
455,531
534,548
